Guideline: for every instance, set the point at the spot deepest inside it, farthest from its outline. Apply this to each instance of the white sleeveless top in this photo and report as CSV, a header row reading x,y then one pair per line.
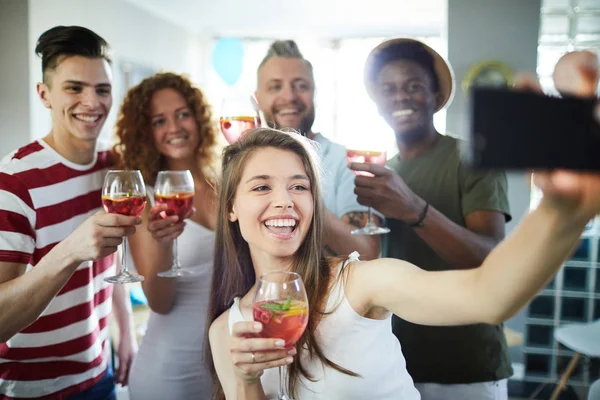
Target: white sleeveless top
x,y
362,345
170,361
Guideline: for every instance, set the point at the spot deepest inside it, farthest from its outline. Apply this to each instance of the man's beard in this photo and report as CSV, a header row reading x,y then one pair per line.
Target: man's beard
x,y
305,127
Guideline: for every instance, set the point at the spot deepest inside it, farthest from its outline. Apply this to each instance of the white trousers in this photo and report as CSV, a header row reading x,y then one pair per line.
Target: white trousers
x,y
496,390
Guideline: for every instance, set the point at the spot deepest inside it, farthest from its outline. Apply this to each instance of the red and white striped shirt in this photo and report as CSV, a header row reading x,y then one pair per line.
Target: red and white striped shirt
x,y
43,199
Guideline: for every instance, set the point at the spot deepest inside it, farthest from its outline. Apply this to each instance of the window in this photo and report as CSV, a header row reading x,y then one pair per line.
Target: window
x,y
565,25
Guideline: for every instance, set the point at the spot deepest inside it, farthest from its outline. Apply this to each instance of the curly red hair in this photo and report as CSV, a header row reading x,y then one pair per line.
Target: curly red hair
x,y
135,148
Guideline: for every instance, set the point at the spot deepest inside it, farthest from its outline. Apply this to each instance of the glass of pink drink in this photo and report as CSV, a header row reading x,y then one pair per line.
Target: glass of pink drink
x,y
372,157
281,305
176,190
124,193
237,116
233,127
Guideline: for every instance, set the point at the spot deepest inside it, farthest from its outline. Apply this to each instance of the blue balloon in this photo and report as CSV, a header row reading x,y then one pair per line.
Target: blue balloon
x,y
227,59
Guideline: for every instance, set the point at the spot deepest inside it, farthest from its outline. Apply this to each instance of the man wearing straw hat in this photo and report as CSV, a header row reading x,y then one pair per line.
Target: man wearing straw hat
x,y
442,216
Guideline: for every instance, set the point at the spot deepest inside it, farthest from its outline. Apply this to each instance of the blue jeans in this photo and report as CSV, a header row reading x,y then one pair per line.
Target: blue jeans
x,y
104,389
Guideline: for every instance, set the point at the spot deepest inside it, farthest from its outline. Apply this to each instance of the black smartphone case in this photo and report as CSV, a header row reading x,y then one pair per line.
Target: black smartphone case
x,y
514,130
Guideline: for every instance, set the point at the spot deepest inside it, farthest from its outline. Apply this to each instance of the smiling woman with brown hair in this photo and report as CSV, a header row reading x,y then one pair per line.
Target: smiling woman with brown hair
x,y
135,123
165,124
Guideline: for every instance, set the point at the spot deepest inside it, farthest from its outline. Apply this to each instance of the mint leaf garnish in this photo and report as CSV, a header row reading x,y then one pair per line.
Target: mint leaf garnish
x,y
277,307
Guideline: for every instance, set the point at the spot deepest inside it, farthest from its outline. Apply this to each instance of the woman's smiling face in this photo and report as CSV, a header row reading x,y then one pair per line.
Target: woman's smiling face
x,y
273,203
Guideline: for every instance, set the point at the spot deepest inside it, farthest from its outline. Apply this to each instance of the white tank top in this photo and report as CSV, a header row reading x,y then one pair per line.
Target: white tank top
x,y
362,345
170,361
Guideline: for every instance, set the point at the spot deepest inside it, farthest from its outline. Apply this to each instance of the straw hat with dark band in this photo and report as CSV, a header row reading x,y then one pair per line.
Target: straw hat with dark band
x,y
410,49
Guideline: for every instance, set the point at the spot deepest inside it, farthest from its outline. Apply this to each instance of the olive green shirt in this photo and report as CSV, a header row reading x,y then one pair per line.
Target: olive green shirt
x,y
460,354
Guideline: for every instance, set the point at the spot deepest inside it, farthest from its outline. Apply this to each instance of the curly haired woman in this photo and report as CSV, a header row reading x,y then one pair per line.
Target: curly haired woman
x,y
165,124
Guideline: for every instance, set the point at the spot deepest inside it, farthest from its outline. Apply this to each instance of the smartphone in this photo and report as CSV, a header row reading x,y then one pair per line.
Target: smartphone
x,y
514,130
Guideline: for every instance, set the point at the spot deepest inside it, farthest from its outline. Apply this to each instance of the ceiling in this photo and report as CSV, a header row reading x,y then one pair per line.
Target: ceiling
x,y
317,18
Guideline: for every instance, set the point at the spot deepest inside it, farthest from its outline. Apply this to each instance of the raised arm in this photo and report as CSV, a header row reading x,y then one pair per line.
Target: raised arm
x,y
513,273
460,246
24,296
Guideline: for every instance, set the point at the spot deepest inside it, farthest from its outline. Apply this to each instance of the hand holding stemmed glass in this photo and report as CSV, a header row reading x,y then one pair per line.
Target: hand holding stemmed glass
x,y
174,191
372,157
124,193
237,116
280,307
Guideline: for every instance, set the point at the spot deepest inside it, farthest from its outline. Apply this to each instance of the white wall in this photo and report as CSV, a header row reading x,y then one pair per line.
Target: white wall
x,y
134,36
14,80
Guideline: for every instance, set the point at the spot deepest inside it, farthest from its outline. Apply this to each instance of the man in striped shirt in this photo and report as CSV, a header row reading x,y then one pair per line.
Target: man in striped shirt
x,y
55,245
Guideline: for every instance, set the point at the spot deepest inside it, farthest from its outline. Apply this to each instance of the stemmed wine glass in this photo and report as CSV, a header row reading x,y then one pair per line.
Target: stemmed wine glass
x,y
176,190
373,157
124,193
238,114
281,305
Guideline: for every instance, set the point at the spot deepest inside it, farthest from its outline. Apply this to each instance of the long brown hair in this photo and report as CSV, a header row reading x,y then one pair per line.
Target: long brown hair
x,y
136,148
233,271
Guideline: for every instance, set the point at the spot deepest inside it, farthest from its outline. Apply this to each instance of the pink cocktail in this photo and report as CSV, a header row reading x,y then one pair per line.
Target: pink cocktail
x,y
371,157
365,156
178,204
233,127
282,319
124,205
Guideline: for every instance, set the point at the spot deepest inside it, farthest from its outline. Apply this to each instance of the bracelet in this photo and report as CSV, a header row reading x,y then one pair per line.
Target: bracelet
x,y
419,223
